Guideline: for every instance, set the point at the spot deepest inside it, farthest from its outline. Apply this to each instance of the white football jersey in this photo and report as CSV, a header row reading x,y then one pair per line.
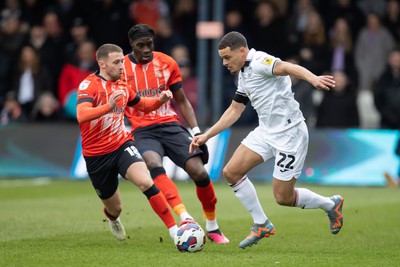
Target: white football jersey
x,y
270,95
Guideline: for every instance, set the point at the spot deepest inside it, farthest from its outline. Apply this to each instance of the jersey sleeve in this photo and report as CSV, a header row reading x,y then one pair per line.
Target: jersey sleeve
x,y
175,81
86,92
265,65
84,106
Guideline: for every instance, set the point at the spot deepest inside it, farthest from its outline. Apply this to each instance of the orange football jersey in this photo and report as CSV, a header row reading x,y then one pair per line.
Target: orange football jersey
x,y
107,133
148,80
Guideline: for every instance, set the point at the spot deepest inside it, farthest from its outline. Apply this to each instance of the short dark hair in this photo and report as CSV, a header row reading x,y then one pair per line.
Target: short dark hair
x,y
139,31
233,40
106,49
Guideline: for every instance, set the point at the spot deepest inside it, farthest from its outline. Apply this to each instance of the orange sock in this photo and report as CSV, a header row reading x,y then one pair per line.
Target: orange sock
x,y
208,200
170,191
160,206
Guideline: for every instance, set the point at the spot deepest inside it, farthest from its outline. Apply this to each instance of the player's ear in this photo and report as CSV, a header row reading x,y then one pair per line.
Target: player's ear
x,y
101,64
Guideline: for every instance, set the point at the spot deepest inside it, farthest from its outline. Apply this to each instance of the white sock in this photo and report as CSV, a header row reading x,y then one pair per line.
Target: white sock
x,y
185,215
247,195
173,230
306,199
211,225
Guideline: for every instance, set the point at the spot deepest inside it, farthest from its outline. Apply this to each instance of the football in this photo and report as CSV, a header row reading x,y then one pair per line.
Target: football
x,y
190,237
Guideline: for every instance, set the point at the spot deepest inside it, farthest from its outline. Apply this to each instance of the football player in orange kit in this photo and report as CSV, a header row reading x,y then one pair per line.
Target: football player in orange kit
x,y
107,147
159,133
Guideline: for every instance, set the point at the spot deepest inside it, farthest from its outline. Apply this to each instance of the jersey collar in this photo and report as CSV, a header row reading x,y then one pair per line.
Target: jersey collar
x,y
248,59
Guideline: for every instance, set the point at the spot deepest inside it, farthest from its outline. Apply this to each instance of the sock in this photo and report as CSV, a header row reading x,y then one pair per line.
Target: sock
x,y
108,215
184,216
206,195
211,225
160,206
172,231
306,199
246,193
169,189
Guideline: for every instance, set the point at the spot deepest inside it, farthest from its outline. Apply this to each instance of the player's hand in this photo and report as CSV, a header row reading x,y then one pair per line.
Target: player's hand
x,y
165,96
197,141
325,82
114,97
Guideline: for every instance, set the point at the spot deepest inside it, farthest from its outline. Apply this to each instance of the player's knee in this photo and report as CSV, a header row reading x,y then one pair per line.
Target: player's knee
x,y
283,199
230,176
145,184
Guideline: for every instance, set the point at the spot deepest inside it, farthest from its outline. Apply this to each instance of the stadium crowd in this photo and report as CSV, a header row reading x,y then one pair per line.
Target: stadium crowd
x,y
47,47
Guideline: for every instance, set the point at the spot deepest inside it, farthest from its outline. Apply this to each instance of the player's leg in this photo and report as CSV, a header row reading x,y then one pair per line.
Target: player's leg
x,y
104,178
147,141
165,184
241,162
112,209
137,173
288,166
176,145
206,194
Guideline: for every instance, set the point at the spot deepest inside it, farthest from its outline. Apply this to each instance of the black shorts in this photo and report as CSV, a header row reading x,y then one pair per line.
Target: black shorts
x,y
103,170
167,139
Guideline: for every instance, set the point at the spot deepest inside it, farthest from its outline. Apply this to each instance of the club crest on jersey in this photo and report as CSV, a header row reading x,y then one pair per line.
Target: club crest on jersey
x,y
268,60
84,85
158,74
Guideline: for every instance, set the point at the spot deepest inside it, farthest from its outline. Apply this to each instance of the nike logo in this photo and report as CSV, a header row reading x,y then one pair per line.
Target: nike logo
x,y
283,170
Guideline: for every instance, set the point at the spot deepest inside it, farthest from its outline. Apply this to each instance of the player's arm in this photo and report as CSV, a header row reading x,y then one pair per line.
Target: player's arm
x,y
282,68
86,112
230,116
147,104
185,107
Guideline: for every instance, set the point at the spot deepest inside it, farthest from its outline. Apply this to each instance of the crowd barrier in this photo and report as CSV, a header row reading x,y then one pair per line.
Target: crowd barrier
x,y
356,157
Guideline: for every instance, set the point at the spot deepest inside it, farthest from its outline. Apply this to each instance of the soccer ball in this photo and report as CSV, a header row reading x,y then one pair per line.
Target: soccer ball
x,y
190,237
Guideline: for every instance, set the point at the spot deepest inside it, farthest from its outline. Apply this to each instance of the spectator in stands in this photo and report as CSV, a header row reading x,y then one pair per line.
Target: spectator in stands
x,y
375,41
350,11
341,50
11,111
148,12
32,11
266,22
184,19
387,93
72,74
79,32
112,26
167,38
297,21
313,49
56,41
303,93
391,20
234,21
189,81
13,35
31,83
374,6
338,108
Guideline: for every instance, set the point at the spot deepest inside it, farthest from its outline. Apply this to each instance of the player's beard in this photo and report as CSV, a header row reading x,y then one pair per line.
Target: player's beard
x,y
115,76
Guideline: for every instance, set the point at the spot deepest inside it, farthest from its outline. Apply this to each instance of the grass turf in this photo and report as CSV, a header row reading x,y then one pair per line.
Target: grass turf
x,y
60,223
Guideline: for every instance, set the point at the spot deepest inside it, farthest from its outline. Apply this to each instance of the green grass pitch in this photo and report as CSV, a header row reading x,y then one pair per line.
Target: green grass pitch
x,y
60,223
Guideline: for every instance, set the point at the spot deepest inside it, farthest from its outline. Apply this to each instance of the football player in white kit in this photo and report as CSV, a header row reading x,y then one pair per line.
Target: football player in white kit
x,y
282,134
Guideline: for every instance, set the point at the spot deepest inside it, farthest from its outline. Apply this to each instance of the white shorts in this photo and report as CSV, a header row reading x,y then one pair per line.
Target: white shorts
x,y
288,147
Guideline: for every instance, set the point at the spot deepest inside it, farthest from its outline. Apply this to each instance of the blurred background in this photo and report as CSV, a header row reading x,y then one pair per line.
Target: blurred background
x,y
48,46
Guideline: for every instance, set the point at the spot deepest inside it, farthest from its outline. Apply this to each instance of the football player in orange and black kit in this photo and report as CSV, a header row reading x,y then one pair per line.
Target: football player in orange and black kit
x,y
159,133
107,146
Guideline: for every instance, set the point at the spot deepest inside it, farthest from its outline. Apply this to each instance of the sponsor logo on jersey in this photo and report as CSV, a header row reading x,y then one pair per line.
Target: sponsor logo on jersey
x,y
268,60
84,85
